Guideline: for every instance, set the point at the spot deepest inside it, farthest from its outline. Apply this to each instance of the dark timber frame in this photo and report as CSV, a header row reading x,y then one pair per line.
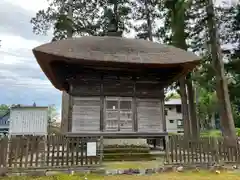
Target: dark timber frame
x,y
104,78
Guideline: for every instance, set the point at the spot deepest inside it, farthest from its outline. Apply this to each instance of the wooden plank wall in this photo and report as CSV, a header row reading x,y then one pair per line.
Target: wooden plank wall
x,y
146,96
86,114
149,115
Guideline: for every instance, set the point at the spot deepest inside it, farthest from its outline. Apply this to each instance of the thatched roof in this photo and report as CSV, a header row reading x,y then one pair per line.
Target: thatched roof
x,y
109,51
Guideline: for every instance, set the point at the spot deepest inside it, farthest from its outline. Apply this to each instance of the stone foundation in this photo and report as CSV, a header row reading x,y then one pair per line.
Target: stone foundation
x,y
138,142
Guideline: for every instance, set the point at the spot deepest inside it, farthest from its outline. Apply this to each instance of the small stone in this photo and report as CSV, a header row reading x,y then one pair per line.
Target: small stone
x,y
120,171
167,169
99,171
179,169
160,170
114,172
108,172
196,169
136,171
127,171
52,173
142,172
149,171
217,172
235,167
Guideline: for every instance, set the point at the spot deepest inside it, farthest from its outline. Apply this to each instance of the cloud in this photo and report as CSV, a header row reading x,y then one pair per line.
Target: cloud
x,y
15,20
21,79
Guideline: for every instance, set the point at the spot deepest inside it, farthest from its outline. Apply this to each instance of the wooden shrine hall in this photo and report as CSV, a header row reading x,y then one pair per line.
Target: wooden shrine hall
x,y
114,86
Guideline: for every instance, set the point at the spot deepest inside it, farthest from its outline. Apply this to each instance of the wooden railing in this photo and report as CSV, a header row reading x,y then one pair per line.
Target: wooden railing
x,y
204,150
47,152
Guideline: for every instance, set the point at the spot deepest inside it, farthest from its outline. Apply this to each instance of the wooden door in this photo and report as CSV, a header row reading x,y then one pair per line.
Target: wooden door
x,y
111,114
118,114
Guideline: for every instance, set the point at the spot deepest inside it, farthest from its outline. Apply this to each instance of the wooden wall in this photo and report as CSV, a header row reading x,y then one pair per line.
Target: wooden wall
x,y
86,114
89,94
149,115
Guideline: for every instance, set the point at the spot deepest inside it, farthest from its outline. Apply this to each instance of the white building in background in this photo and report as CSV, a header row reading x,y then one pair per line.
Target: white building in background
x,y
28,120
173,114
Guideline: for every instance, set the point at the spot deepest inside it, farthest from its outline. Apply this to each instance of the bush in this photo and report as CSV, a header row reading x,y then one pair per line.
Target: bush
x,y
238,132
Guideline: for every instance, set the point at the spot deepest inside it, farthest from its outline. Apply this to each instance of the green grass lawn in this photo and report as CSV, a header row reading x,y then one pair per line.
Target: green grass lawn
x,y
215,133
164,176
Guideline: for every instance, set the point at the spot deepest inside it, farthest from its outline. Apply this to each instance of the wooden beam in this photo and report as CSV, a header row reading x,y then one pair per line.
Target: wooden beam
x,y
115,135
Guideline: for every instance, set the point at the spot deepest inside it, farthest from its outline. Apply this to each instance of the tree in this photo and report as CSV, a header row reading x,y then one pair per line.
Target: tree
x,y
172,96
83,22
226,118
53,116
178,39
145,12
207,108
3,109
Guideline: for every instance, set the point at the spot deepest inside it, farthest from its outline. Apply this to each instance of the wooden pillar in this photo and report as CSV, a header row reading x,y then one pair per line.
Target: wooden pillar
x,y
70,110
134,103
167,149
65,112
163,117
101,106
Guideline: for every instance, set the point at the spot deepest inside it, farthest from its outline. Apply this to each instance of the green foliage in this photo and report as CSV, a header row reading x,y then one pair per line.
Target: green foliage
x,y
3,109
207,106
146,12
85,14
172,96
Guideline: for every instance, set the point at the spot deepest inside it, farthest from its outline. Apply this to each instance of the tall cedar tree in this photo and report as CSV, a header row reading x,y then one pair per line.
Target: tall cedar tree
x,y
226,118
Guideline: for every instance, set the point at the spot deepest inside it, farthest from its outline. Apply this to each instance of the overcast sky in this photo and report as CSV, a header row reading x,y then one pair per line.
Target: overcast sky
x,y
21,79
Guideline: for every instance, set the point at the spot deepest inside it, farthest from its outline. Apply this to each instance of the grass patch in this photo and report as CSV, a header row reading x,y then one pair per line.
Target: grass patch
x,y
211,133
164,176
133,165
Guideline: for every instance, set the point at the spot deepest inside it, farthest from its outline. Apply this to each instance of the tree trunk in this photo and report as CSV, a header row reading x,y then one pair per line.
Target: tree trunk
x,y
65,95
226,118
213,124
185,112
192,110
149,21
179,40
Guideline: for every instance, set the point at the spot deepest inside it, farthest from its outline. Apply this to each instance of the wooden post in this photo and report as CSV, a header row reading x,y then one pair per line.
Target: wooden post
x,y
215,152
167,149
101,150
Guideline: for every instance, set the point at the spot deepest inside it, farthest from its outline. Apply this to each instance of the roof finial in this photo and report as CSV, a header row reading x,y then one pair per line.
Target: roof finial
x,y
113,28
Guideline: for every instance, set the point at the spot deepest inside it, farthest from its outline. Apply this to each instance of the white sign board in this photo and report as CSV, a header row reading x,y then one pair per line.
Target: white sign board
x,y
91,149
28,121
